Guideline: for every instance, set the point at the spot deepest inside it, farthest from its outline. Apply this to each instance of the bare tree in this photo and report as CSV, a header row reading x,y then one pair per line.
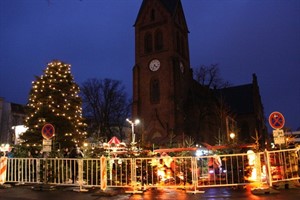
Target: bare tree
x,y
222,111
189,142
209,108
106,106
209,76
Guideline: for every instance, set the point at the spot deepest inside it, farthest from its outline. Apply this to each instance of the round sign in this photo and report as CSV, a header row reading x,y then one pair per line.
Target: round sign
x,y
48,131
276,120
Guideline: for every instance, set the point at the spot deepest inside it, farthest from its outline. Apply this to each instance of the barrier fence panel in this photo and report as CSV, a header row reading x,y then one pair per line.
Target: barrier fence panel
x,y
283,165
23,170
66,171
164,171
120,172
91,172
59,171
228,170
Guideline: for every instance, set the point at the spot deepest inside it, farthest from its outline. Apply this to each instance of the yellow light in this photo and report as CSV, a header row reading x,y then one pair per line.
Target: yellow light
x,y
232,135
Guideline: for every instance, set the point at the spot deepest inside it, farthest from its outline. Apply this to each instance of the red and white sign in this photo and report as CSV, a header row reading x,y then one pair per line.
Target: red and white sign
x,y
48,131
103,173
276,120
3,166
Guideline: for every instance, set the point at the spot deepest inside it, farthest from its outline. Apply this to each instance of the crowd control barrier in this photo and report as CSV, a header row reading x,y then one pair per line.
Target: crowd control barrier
x,y
268,167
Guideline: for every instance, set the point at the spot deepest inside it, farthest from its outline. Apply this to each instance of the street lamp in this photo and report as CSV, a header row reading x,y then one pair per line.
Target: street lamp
x,y
133,124
232,136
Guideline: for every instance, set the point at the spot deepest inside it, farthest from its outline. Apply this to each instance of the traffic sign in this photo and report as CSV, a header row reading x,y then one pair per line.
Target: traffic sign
x,y
46,149
276,120
48,131
278,136
47,142
47,145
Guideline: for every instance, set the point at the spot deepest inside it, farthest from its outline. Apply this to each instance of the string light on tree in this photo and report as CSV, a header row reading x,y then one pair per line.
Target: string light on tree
x,y
54,97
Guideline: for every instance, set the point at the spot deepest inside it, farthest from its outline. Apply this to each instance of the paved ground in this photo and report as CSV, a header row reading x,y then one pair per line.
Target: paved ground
x,y
27,192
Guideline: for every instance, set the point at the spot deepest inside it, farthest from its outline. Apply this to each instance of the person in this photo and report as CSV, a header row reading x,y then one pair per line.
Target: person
x,y
75,153
12,153
29,155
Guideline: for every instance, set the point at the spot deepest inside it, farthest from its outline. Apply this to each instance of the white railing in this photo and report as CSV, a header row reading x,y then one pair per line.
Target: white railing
x,y
223,170
172,172
283,165
23,170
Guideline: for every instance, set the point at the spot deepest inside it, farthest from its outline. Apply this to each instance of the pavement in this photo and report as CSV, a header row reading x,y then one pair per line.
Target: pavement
x,y
46,192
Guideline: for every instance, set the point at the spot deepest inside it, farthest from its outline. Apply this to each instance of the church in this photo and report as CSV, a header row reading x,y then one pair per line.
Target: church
x,y
171,105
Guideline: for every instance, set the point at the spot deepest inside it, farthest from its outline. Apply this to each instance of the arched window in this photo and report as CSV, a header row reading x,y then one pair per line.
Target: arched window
x,y
154,91
148,42
159,40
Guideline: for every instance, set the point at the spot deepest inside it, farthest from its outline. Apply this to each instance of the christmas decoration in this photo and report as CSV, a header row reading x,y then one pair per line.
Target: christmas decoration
x,y
54,99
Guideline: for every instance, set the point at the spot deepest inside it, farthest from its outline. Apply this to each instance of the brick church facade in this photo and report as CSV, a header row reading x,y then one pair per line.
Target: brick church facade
x,y
171,105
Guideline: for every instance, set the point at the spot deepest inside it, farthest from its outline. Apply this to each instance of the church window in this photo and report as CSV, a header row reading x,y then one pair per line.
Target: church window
x,y
158,40
148,42
154,91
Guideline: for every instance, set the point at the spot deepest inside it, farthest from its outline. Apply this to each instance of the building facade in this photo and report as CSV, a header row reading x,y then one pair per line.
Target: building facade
x,y
162,73
171,105
12,117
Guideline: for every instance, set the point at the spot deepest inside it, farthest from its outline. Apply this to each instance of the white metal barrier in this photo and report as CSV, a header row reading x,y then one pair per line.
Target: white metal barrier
x,y
229,170
172,172
23,170
58,171
283,165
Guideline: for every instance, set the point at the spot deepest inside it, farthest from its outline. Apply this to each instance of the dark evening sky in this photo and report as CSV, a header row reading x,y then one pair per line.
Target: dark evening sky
x,y
97,38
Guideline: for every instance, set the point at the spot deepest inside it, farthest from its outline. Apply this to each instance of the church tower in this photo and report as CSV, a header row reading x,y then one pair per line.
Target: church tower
x,y
161,75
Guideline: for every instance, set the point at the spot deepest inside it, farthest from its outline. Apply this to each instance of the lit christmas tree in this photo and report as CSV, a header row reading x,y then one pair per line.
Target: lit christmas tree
x,y
54,99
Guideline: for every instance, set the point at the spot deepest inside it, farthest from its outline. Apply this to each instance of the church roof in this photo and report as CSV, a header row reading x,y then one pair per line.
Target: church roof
x,y
170,5
238,98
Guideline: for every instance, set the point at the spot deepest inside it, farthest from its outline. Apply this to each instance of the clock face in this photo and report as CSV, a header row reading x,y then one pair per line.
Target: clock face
x,y
154,65
181,67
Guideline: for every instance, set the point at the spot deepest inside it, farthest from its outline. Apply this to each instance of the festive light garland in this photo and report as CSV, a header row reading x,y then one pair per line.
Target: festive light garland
x,y
49,91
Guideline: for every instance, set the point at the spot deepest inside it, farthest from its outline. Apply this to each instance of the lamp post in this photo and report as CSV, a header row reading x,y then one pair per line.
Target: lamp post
x,y
133,124
232,136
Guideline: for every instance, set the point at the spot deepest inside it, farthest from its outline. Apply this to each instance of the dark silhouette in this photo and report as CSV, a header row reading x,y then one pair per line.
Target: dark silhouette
x,y
75,153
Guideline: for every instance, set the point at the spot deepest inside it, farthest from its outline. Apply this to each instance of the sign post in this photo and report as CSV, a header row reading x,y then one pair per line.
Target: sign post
x,y
48,132
277,121
47,144
278,136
